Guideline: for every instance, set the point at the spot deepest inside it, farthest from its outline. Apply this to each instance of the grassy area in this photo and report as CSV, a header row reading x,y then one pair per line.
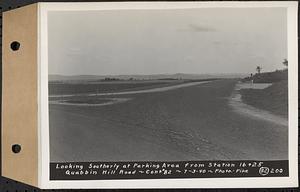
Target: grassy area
x,y
269,77
82,88
273,98
61,88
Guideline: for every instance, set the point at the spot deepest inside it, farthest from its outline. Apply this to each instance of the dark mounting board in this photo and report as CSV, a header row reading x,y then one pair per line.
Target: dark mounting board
x,y
8,185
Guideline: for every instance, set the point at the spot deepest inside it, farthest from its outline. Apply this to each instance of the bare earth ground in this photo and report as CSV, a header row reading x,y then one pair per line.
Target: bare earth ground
x,y
190,123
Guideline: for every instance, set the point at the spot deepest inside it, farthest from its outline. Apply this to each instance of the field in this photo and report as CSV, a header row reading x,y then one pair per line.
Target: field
x,y
187,123
84,87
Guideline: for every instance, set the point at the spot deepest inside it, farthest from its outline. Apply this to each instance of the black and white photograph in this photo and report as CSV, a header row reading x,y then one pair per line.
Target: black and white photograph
x,y
168,85
165,85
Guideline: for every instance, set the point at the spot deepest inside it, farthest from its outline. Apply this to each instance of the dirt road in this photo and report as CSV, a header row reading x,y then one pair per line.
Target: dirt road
x,y
191,123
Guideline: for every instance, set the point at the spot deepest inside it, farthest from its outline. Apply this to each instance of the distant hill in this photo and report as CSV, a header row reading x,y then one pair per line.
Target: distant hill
x,y
54,77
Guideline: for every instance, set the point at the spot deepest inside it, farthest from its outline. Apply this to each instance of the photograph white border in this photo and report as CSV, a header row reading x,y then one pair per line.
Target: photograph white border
x,y
253,182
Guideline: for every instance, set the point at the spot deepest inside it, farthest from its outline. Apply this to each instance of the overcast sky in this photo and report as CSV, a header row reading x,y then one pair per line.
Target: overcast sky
x,y
198,41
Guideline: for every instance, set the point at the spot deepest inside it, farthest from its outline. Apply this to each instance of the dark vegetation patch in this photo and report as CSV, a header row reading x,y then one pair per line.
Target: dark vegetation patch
x,y
269,77
83,88
63,88
273,98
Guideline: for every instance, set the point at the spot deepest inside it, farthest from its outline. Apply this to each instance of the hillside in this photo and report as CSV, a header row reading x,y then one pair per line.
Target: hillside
x,y
273,98
269,77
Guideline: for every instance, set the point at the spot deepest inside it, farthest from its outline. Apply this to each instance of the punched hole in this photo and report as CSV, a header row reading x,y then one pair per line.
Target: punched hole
x,y
15,45
16,148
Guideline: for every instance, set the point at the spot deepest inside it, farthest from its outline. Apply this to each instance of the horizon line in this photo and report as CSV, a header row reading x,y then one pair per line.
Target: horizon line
x,y
150,74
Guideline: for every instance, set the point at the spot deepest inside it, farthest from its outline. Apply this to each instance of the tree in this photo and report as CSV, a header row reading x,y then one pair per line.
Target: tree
x,y
285,62
258,69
